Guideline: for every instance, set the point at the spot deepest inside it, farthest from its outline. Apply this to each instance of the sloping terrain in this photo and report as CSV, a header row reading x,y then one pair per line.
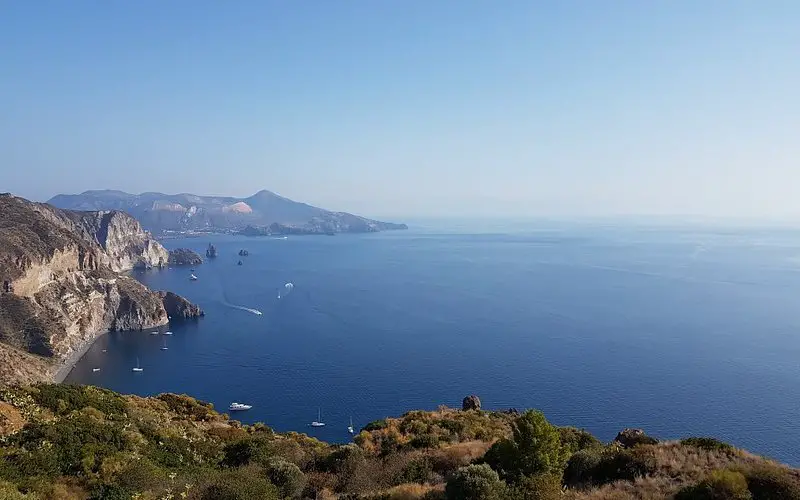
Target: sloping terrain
x,y
164,213
62,283
81,442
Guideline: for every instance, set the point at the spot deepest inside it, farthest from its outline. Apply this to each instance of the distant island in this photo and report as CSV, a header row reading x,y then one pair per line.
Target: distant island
x,y
264,213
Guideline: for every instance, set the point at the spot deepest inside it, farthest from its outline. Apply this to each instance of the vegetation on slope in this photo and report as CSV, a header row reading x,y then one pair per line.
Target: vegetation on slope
x,y
63,442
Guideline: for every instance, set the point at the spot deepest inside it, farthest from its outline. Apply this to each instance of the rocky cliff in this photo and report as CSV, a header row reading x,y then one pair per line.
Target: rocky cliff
x,y
61,283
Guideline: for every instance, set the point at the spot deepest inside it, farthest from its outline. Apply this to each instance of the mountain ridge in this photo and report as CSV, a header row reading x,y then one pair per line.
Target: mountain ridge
x,y
163,213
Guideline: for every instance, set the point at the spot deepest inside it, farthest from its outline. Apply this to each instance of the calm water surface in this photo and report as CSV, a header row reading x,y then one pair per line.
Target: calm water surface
x,y
678,331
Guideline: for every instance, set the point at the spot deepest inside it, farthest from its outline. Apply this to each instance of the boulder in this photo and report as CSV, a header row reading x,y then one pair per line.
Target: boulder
x,y
629,438
211,251
472,402
243,253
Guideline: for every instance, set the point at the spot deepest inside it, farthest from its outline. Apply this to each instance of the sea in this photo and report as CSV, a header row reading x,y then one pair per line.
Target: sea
x,y
681,330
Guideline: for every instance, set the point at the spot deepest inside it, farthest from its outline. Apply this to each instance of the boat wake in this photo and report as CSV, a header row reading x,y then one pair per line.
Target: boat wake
x,y
248,309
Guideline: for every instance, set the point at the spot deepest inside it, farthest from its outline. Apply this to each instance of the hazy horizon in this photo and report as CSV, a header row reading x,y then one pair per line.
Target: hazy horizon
x,y
419,109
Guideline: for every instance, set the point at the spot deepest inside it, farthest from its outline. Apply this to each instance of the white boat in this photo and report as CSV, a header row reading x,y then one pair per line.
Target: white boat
x,y
105,350
318,422
95,369
137,368
167,333
193,277
350,427
154,332
239,407
164,347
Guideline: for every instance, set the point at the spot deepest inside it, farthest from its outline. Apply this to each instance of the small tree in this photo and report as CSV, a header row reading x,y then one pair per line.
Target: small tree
x,y
475,482
288,477
535,448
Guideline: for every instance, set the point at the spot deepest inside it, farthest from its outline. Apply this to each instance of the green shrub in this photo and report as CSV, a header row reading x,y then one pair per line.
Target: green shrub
x,y
63,399
424,441
720,485
475,482
573,439
245,451
771,482
376,425
287,477
582,467
535,448
418,470
707,443
594,467
238,484
539,487
188,406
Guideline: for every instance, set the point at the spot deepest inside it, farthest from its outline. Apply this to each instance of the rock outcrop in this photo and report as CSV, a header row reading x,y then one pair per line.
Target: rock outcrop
x,y
179,308
629,438
211,251
62,284
243,253
184,257
471,402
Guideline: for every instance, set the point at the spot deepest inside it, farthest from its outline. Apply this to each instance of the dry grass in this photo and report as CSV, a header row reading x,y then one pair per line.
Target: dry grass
x,y
677,466
410,491
11,420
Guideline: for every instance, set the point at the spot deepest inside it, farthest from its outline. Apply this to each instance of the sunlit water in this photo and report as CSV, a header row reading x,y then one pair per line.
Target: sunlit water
x,y
680,332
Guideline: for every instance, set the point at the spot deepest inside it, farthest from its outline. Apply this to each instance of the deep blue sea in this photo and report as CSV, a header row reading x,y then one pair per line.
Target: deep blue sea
x,y
680,331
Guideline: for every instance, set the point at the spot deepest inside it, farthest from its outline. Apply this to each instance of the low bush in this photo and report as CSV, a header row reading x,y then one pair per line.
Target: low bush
x,y
594,467
573,439
720,485
287,477
771,482
475,482
63,399
707,443
538,487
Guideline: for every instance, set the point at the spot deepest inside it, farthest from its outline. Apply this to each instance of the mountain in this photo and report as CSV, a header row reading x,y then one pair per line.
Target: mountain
x,y
164,213
62,283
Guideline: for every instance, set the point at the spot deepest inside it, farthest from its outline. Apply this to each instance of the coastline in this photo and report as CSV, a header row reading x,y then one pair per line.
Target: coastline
x,y
66,366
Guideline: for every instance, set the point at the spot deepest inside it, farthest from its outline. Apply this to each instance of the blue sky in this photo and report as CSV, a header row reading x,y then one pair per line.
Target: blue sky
x,y
410,107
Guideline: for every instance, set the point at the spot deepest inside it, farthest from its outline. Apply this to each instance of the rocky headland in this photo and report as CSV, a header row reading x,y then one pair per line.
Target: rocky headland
x,y
64,283
184,257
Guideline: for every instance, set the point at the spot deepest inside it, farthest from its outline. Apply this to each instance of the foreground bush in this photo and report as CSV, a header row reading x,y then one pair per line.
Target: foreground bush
x,y
534,448
287,477
475,482
539,487
772,482
721,485
595,467
707,443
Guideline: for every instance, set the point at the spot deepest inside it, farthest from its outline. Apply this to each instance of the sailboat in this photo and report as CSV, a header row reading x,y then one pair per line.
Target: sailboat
x,y
137,368
318,422
350,427
167,333
164,347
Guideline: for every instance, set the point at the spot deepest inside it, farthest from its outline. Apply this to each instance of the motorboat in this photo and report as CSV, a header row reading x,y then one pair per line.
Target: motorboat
x,y
239,407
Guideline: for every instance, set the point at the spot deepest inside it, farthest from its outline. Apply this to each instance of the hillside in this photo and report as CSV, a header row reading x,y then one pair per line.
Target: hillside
x,y
65,442
164,213
62,283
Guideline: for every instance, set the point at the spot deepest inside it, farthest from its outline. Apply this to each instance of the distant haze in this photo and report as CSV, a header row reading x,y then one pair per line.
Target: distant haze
x,y
411,108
